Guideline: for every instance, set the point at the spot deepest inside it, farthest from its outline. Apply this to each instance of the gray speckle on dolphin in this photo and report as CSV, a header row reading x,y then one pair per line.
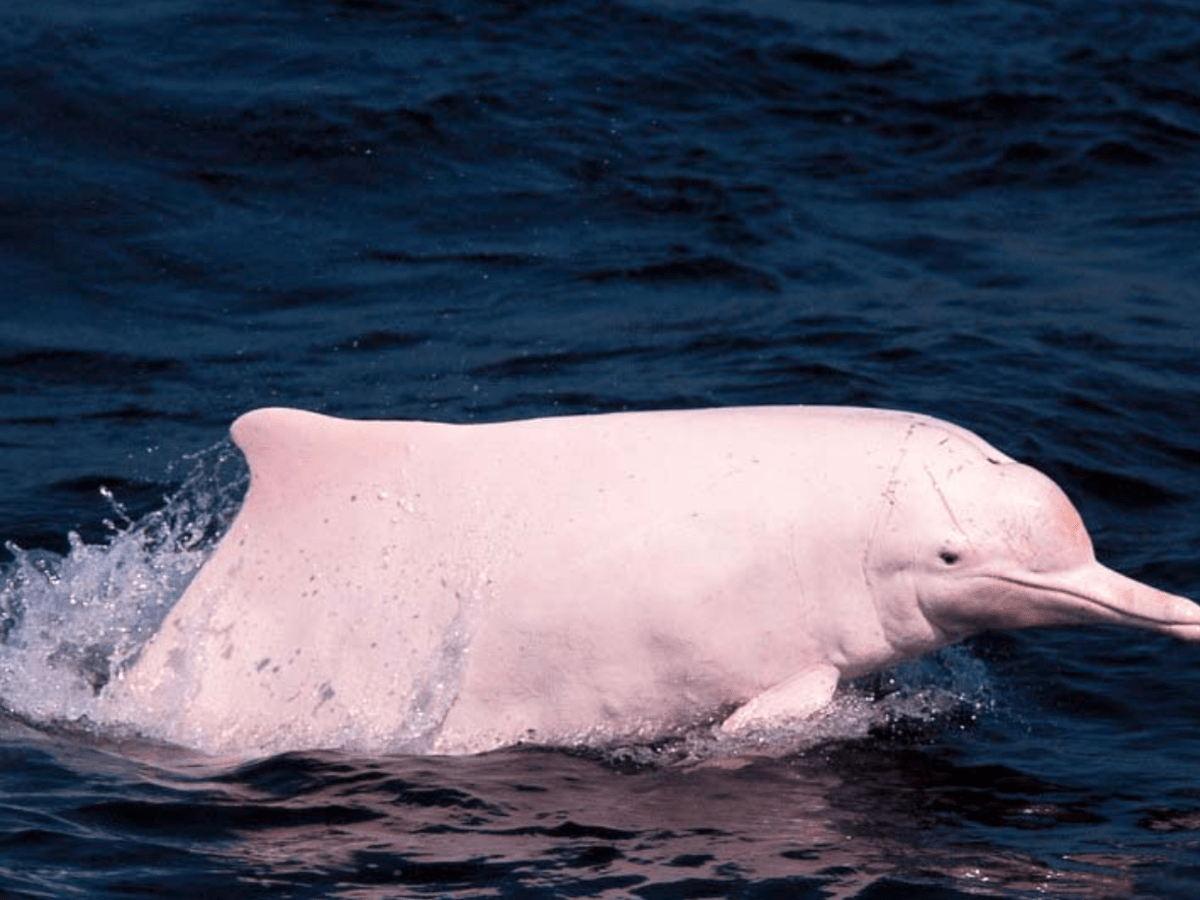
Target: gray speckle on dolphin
x,y
455,588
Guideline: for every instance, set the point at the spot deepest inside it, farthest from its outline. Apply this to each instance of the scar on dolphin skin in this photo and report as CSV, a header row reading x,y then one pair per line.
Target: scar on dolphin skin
x,y
887,501
937,488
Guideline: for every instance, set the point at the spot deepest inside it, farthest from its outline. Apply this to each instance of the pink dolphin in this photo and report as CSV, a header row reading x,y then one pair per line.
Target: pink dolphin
x,y
455,588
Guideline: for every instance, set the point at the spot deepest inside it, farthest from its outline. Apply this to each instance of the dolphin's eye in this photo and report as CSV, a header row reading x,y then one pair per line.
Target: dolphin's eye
x,y
949,557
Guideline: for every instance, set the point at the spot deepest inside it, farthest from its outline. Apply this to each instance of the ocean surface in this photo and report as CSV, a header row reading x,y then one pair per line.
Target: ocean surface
x,y
474,211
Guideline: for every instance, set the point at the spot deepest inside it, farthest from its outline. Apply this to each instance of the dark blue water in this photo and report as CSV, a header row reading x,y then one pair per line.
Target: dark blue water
x,y
989,212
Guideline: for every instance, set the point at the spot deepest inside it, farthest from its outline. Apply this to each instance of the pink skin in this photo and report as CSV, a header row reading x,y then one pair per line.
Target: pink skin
x,y
452,589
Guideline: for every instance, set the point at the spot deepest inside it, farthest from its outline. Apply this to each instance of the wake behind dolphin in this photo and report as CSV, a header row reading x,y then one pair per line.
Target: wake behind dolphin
x,y
457,588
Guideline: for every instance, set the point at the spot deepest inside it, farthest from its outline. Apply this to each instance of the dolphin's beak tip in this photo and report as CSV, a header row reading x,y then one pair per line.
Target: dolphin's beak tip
x,y
1188,629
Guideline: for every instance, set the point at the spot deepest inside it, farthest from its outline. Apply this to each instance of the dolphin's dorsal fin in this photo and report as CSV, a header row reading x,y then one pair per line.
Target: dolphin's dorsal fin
x,y
263,433
289,449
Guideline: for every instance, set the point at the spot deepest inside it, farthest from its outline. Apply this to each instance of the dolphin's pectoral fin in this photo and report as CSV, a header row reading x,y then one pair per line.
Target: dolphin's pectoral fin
x,y
796,698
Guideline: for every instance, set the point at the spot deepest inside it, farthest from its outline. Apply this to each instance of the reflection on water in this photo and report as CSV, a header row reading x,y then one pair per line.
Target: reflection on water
x,y
888,814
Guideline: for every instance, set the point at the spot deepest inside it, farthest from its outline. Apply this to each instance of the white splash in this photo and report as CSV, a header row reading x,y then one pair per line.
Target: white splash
x,y
69,623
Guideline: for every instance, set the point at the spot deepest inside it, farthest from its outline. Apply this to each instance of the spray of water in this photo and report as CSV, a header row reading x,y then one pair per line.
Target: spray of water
x,y
69,623
931,692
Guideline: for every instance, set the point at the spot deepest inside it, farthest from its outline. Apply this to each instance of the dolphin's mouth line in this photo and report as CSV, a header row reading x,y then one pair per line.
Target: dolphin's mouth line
x,y
1120,612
